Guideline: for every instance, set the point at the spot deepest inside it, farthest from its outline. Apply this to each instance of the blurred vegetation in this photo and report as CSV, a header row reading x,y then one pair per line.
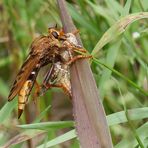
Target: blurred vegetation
x,y
21,21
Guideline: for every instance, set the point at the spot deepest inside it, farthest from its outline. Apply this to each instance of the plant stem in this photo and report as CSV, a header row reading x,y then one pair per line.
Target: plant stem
x,y
89,115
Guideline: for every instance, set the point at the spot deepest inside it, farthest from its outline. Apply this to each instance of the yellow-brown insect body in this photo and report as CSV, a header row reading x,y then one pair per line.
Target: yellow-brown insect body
x,y
25,90
23,96
56,48
43,50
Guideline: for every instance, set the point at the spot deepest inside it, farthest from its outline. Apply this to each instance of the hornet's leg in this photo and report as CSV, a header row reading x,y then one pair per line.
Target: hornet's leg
x,y
62,86
77,58
78,48
35,97
40,90
75,32
48,75
36,92
44,88
52,76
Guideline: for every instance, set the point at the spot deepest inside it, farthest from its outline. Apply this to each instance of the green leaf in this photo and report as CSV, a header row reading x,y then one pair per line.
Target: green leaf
x,y
131,141
117,8
116,118
102,12
4,89
122,76
117,29
48,125
23,137
7,109
81,20
110,61
60,139
126,9
42,114
5,61
134,114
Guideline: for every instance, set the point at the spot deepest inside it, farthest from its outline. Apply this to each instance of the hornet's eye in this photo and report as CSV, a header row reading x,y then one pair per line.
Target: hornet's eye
x,y
55,34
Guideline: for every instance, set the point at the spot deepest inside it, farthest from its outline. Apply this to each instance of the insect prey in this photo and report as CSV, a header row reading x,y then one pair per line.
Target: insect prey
x,y
59,73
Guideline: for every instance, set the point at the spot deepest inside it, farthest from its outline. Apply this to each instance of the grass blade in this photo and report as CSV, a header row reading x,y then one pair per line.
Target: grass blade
x,y
22,137
122,76
117,29
48,125
87,112
131,141
65,137
134,114
7,109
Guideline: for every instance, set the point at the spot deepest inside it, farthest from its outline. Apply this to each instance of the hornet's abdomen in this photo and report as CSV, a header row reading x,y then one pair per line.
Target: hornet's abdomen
x,y
23,96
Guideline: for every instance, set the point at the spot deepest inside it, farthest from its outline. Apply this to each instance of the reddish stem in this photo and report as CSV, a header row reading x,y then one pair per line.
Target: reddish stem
x,y
89,115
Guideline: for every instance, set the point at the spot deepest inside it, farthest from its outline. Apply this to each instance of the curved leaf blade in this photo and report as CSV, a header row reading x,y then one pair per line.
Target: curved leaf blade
x,y
117,29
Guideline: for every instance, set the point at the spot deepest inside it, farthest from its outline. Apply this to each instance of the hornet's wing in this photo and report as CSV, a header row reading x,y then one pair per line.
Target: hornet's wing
x,y
24,73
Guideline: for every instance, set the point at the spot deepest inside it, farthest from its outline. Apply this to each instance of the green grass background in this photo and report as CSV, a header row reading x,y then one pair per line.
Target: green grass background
x,y
115,32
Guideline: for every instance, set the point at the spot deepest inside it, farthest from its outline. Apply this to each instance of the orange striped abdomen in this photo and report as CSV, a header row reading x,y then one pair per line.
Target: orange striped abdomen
x,y
23,96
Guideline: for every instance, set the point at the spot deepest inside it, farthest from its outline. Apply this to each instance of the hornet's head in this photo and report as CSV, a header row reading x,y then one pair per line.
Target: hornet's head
x,y
57,34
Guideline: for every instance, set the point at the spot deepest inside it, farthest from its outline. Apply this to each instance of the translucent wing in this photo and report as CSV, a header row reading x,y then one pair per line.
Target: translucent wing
x,y
22,76
43,50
